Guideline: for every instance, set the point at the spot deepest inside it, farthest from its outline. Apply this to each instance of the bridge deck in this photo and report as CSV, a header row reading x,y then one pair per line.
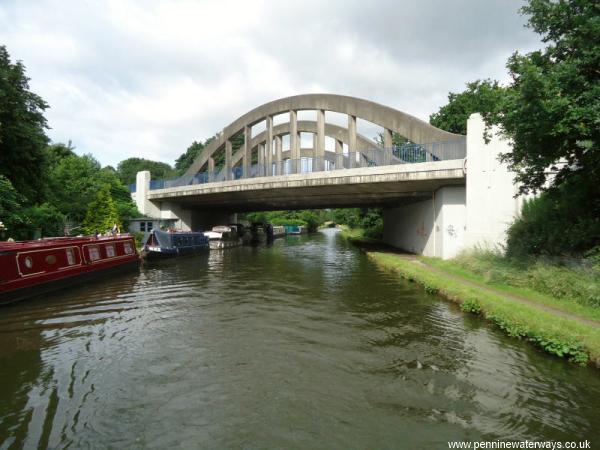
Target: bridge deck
x,y
366,186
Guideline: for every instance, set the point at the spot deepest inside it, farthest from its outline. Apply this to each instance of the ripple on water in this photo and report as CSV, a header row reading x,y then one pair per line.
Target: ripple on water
x,y
303,344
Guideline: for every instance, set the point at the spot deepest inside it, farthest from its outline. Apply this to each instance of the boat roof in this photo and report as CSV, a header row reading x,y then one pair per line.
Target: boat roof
x,y
57,242
222,228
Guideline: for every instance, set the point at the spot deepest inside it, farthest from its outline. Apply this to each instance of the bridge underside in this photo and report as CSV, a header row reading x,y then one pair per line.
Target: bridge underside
x,y
362,187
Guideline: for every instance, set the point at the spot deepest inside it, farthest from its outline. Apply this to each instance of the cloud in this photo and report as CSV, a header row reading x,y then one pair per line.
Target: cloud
x,y
146,78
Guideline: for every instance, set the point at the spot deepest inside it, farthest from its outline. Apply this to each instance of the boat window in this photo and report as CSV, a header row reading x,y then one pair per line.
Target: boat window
x,y
28,262
94,253
110,250
127,247
50,259
70,256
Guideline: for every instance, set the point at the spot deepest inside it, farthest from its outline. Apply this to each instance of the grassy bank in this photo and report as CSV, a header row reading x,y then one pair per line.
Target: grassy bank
x,y
567,326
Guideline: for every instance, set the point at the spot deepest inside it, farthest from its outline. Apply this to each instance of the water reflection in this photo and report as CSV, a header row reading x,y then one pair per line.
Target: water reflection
x,y
301,344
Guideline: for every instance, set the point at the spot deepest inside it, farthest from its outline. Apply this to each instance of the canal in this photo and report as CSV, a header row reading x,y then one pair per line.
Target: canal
x,y
302,344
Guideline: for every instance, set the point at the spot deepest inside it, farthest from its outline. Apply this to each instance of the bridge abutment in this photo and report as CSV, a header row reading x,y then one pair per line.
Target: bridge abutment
x,y
453,219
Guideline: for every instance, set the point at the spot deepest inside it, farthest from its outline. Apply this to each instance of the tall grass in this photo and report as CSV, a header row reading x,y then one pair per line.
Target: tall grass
x,y
574,282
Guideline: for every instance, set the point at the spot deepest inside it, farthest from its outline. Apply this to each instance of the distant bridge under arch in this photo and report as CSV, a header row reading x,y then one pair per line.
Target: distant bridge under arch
x,y
421,184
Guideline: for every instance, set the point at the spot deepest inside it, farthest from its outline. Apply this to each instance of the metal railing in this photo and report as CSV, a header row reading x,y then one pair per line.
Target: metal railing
x,y
404,154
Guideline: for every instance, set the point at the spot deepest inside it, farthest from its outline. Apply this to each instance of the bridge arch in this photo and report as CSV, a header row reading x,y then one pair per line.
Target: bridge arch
x,y
390,119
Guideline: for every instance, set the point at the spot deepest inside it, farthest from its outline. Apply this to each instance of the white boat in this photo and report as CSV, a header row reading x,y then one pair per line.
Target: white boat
x,y
278,231
223,236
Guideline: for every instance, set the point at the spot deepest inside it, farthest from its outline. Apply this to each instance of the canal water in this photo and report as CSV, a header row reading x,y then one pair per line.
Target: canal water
x,y
304,344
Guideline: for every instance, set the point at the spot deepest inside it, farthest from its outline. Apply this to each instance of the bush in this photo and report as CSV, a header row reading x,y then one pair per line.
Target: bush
x,y
471,305
562,221
369,219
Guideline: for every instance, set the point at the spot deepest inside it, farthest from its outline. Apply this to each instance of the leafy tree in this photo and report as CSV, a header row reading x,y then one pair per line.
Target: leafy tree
x,y
56,152
128,168
552,111
369,219
74,182
120,194
44,219
22,129
101,214
73,185
305,217
11,209
482,96
186,159
561,221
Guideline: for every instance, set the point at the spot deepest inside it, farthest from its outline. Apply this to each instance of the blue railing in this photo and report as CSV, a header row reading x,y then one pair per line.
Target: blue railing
x,y
404,154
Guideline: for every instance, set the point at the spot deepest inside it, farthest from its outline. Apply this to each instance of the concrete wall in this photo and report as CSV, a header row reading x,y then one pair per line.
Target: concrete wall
x,y
432,227
475,216
491,205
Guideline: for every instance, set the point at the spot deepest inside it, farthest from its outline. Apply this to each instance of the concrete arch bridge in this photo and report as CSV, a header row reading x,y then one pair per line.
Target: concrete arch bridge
x,y
259,162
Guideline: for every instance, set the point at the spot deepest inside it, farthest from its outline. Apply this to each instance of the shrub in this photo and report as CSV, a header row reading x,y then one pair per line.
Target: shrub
x,y
471,305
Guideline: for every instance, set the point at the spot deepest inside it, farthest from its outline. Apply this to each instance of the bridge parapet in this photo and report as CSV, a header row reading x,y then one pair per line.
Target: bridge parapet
x,y
405,154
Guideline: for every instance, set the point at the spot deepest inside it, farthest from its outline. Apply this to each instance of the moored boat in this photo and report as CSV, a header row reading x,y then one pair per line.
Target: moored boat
x,y
29,268
167,244
278,231
259,232
295,229
223,236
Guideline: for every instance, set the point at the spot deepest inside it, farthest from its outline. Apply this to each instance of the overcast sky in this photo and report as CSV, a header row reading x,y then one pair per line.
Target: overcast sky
x,y
146,78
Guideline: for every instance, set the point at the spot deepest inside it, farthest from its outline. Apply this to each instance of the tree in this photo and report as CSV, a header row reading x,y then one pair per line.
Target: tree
x,y
557,222
186,159
482,96
128,168
552,111
22,129
73,185
75,181
101,214
42,220
11,209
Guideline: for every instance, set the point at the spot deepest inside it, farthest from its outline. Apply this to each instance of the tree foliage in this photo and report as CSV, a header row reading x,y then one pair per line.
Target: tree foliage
x,y
22,129
23,222
369,219
481,96
561,221
128,168
11,213
552,110
310,218
42,221
101,213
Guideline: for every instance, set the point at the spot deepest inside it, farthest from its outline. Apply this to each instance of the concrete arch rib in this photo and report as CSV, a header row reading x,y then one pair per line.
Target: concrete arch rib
x,y
409,126
308,126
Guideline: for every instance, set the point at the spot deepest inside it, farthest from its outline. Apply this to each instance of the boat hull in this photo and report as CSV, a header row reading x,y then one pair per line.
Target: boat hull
x,y
57,284
168,253
218,244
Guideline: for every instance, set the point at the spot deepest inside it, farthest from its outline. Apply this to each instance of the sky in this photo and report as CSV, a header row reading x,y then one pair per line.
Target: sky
x,y
146,78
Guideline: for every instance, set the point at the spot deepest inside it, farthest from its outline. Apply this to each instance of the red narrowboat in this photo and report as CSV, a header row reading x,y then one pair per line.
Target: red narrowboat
x,y
29,268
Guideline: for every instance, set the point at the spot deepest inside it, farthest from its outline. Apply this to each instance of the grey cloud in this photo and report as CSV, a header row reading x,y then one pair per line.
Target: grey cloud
x,y
122,80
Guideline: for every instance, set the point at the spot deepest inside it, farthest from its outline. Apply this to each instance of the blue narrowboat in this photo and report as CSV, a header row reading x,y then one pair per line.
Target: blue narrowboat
x,y
167,244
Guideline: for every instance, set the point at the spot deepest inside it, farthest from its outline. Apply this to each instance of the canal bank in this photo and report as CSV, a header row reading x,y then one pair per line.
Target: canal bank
x,y
562,328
